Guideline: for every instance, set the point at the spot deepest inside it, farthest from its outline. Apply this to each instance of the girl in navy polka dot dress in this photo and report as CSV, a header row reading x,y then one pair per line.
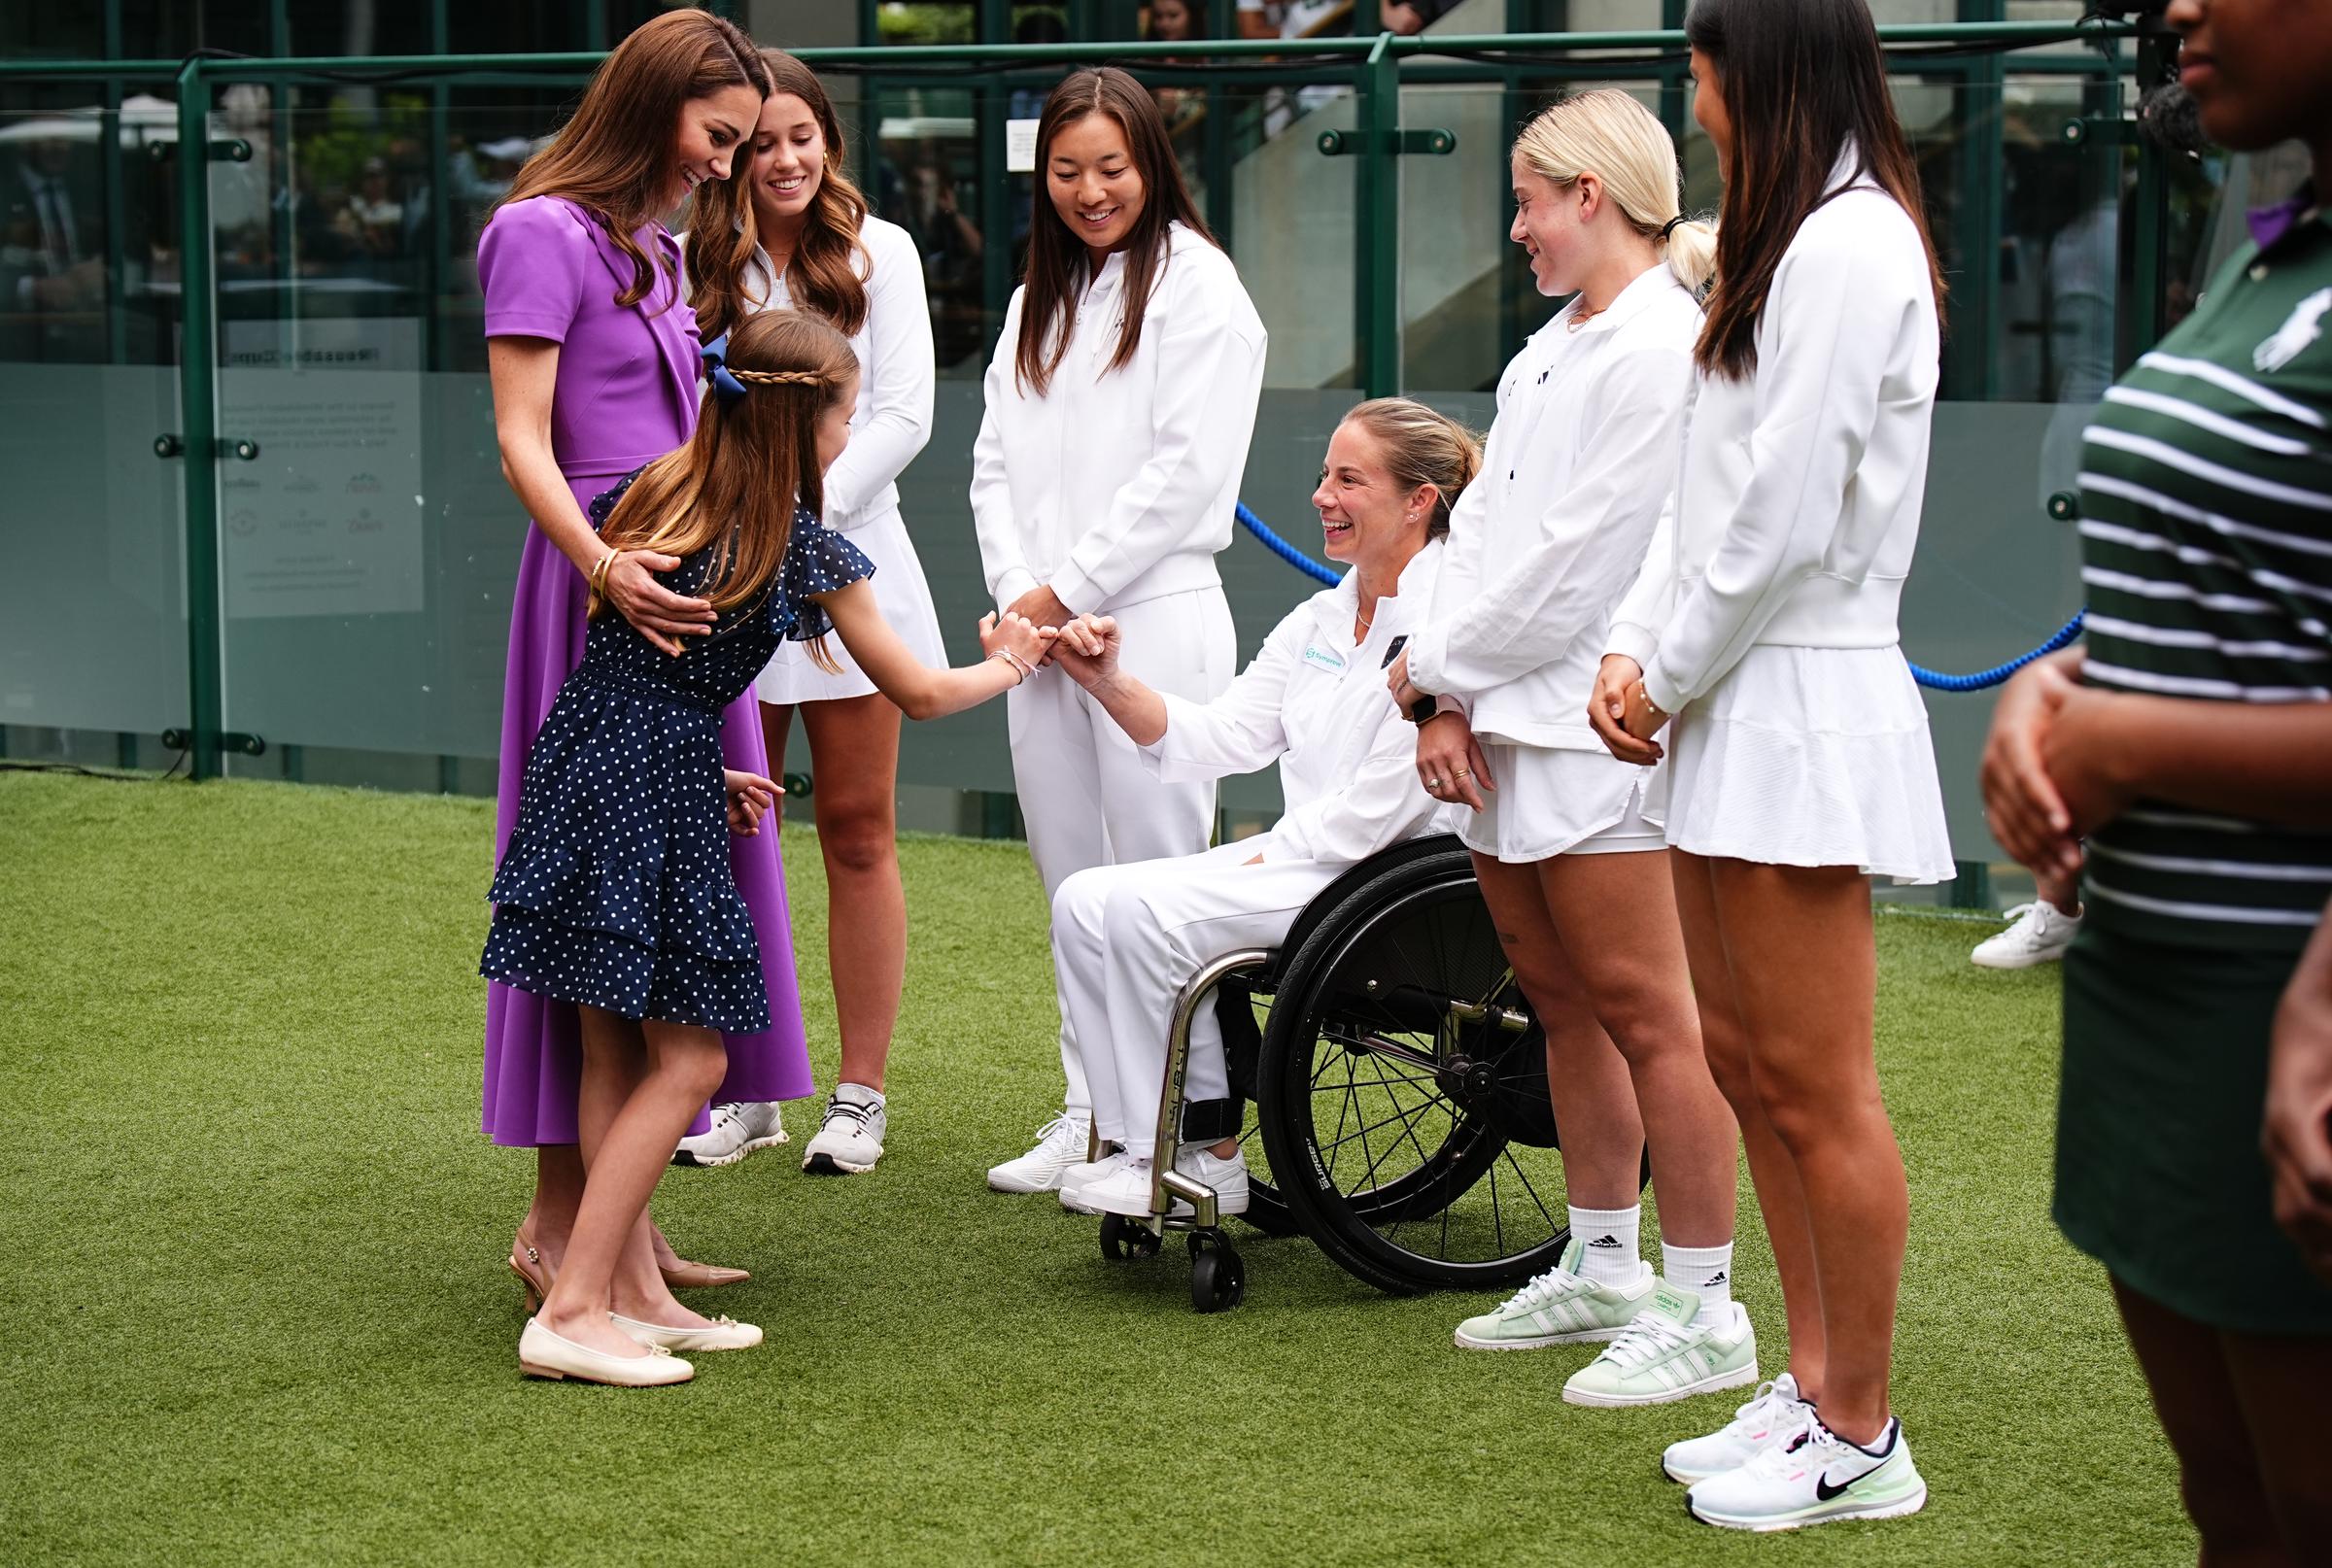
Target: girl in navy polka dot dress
x,y
615,892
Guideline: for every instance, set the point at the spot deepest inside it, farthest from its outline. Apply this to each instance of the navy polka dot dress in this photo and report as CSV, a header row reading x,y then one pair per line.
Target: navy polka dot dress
x,y
615,891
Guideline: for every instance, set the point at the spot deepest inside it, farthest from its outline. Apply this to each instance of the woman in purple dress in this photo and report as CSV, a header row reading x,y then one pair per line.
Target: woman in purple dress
x,y
595,368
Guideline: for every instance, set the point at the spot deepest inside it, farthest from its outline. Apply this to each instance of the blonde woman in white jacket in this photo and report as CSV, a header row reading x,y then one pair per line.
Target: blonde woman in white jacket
x,y
1571,860
1120,401
813,246
1800,764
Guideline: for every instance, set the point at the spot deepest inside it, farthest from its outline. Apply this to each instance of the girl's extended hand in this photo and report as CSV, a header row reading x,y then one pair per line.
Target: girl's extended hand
x,y
750,797
2298,1133
2022,803
1608,709
655,611
1088,649
1448,760
1016,634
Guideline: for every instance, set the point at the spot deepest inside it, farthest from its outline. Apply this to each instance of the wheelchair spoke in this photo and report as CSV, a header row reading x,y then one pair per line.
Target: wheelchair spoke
x,y
1507,1154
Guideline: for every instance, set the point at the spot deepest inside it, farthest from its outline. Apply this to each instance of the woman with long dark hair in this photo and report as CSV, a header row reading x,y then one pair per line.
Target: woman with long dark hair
x,y
1764,624
2189,742
592,355
795,232
1120,401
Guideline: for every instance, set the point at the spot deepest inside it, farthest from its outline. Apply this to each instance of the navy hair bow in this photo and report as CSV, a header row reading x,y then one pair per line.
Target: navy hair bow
x,y
715,356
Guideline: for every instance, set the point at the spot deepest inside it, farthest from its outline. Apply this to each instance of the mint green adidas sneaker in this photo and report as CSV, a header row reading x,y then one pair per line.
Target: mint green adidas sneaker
x,y
1558,1308
1663,1355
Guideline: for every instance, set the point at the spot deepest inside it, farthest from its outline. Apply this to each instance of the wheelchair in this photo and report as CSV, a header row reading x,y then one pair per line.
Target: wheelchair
x,y
1389,1086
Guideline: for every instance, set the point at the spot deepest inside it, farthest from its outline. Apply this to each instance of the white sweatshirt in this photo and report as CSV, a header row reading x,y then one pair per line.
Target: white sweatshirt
x,y
1118,486
1799,506
1543,544
896,372
1317,703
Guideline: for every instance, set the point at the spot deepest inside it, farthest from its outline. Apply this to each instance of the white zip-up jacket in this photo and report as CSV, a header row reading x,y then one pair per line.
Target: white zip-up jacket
x,y
1118,486
895,371
1316,702
1546,540
1798,509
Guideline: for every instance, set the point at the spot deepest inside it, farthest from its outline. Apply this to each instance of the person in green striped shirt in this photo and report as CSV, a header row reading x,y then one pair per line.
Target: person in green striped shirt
x,y
2190,741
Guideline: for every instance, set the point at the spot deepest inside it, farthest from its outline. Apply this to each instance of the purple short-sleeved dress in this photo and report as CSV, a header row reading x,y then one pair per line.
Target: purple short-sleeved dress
x,y
627,394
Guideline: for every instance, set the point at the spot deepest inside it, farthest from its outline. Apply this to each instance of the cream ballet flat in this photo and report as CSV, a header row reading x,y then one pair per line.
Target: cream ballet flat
x,y
543,1353
721,1334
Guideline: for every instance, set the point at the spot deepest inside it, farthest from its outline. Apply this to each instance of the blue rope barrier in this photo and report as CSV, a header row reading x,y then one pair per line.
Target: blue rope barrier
x,y
1935,679
1283,550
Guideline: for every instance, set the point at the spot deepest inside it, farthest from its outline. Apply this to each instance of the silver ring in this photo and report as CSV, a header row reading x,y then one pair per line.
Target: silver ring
x,y
1432,783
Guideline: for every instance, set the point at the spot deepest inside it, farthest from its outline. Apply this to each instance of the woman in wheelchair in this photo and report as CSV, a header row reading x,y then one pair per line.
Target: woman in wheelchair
x,y
1126,938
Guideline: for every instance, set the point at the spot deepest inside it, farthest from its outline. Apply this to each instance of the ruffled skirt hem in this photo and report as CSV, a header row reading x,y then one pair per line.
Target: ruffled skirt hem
x,y
601,968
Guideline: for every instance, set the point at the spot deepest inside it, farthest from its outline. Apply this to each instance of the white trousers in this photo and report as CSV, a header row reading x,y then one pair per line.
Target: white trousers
x,y
1127,938
1086,795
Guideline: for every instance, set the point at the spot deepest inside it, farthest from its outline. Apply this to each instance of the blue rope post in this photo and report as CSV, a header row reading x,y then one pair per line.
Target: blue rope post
x,y
1982,678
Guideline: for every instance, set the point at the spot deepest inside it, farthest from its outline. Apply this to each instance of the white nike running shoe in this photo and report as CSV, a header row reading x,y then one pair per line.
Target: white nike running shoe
x,y
1775,1416
1814,1479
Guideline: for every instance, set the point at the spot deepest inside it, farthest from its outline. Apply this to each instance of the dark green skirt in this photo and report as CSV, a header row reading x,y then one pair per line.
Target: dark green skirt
x,y
2159,1173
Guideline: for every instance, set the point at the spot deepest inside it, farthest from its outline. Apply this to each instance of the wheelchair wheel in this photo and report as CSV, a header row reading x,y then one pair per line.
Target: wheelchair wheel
x,y
1402,1088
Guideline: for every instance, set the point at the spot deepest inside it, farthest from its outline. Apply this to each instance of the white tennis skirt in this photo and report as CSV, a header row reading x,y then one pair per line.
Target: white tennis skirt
x,y
905,598
1811,756
1551,801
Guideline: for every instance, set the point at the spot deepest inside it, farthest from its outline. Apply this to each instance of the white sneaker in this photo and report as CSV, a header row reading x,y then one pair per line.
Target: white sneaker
x,y
1126,1190
1074,1184
2038,933
1816,1478
1061,1145
736,1130
851,1140
1664,1354
1775,1416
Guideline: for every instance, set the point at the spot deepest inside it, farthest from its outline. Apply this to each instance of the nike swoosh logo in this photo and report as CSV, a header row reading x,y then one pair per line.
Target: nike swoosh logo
x,y
1825,1491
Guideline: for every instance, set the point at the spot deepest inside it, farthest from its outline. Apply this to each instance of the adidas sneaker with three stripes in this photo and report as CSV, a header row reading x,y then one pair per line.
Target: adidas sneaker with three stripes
x,y
1561,1307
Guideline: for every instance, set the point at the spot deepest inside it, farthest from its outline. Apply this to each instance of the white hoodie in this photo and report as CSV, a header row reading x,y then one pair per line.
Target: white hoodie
x,y
1118,486
1798,507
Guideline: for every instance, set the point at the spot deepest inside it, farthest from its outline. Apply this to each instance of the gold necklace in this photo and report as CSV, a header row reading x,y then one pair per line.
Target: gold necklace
x,y
1581,317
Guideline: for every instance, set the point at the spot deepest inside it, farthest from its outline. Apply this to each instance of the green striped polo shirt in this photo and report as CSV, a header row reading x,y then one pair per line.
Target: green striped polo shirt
x,y
2206,553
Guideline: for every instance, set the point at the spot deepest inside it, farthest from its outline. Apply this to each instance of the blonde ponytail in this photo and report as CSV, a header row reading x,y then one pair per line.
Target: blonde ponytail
x,y
1610,135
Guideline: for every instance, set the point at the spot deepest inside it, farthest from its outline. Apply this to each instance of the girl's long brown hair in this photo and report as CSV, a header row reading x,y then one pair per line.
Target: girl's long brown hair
x,y
613,159
1057,259
1802,80
732,488
824,273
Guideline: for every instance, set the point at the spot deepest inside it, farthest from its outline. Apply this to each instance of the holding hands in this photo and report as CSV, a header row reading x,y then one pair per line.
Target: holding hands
x,y
1622,715
1088,649
1013,638
1448,760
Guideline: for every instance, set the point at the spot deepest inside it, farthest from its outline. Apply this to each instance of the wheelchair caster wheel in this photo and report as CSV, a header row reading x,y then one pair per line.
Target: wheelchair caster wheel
x,y
1218,1276
1122,1240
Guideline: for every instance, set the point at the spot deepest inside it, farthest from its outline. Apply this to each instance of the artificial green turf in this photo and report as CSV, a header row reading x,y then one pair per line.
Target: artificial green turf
x,y
255,1308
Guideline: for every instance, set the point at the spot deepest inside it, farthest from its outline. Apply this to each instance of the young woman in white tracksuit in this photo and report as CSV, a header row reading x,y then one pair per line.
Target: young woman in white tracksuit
x,y
814,245
1571,864
1120,401
1127,937
1800,764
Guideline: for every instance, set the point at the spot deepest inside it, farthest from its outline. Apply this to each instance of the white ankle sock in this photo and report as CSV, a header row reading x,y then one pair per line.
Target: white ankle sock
x,y
857,1093
1704,1271
1611,1255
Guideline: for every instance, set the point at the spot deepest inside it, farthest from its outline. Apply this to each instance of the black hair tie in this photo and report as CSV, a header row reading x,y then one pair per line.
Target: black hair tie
x,y
1669,227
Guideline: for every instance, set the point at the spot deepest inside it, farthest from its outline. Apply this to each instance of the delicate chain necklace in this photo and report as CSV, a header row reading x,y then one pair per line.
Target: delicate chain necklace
x,y
1581,314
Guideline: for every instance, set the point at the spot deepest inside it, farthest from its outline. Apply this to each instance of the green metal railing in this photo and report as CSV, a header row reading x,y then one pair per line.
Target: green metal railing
x,y
1374,68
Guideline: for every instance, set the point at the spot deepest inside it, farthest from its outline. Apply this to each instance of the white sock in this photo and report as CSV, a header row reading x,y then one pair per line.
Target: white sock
x,y
1610,1255
1704,1271
857,1093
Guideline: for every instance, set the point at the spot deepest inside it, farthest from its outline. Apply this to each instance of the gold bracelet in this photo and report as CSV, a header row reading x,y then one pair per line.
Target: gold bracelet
x,y
599,573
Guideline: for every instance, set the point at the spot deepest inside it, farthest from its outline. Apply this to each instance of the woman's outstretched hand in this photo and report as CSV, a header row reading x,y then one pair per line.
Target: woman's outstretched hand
x,y
1088,649
751,797
655,611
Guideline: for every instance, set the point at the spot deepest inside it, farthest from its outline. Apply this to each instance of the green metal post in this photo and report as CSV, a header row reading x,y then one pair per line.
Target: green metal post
x,y
1973,359
995,185
1377,210
116,202
197,372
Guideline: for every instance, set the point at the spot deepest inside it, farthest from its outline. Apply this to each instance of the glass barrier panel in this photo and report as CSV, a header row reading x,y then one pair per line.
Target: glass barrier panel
x,y
92,622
